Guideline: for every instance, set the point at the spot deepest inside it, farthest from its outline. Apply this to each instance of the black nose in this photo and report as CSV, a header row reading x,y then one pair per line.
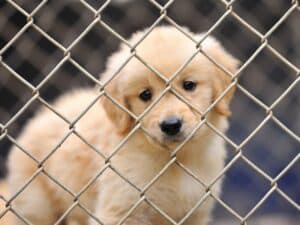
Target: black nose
x,y
171,125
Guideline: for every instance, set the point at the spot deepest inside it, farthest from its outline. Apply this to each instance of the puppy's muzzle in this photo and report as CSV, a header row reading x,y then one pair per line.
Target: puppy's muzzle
x,y
171,126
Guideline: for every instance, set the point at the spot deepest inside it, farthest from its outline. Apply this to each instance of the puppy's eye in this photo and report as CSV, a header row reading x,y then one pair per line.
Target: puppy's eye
x,y
145,95
189,85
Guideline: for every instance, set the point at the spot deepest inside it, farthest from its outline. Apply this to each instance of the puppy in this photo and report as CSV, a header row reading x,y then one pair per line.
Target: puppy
x,y
129,153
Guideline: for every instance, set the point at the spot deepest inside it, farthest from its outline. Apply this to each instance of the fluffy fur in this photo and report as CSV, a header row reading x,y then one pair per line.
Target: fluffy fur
x,y
6,219
105,125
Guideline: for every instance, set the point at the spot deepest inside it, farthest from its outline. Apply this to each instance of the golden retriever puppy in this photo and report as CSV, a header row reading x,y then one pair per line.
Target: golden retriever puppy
x,y
60,170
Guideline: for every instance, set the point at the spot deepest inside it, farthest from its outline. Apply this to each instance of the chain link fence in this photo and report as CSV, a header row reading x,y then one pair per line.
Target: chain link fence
x,y
49,47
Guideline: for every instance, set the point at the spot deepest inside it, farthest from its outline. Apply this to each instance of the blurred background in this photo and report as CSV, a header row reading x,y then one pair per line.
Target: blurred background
x,y
32,56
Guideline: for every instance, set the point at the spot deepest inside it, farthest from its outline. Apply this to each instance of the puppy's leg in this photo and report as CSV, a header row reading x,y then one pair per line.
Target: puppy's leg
x,y
200,216
115,221
198,220
77,217
114,214
114,202
35,205
73,222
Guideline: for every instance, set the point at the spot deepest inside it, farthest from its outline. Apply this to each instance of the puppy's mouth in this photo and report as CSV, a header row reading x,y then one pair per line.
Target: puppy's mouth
x,y
174,139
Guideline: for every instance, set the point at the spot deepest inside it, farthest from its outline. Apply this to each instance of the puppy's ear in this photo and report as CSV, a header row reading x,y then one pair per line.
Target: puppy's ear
x,y
121,119
221,80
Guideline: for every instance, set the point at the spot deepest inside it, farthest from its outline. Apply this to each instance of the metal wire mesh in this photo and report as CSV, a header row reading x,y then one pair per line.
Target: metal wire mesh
x,y
65,53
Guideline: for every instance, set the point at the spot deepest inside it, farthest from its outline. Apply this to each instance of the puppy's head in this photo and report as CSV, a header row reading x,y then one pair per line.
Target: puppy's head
x,y
136,86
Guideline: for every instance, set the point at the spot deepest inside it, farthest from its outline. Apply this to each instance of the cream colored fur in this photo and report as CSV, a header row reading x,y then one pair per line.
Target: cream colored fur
x,y
7,218
104,126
